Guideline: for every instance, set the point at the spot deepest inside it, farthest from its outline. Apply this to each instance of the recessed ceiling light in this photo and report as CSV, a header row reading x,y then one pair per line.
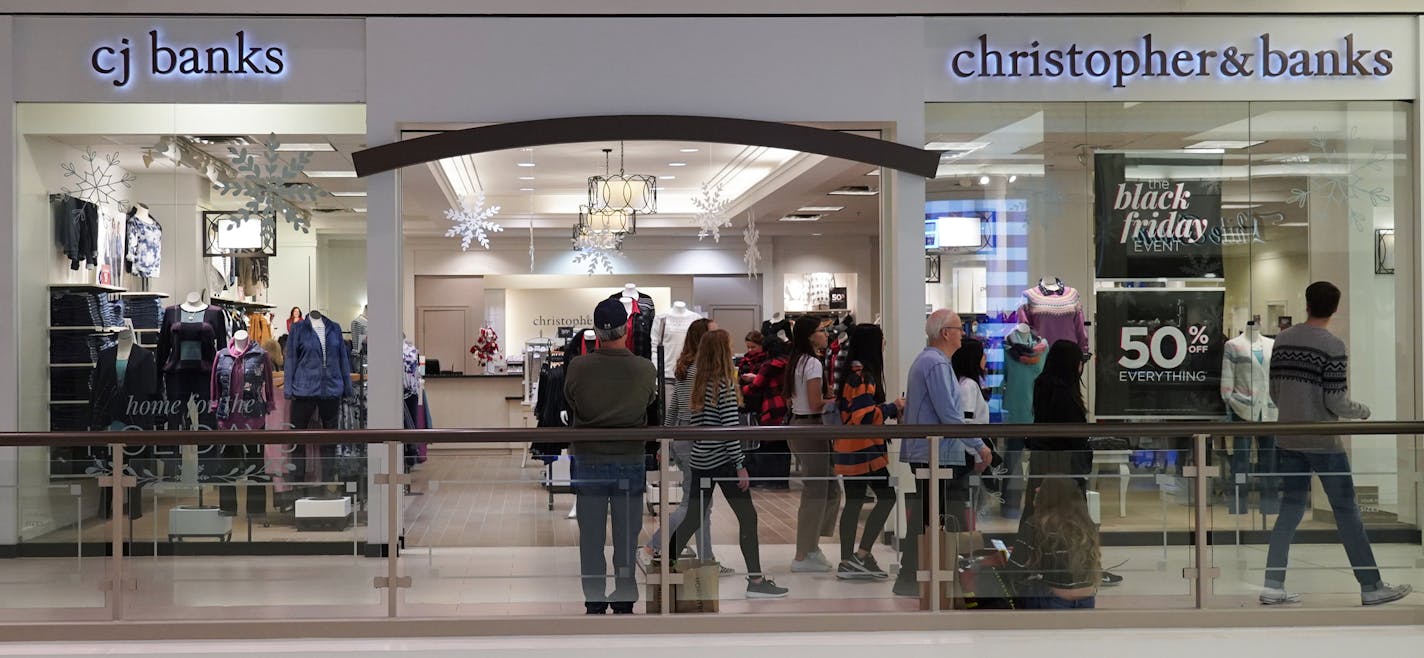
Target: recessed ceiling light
x,y
1013,178
305,146
820,208
873,172
1293,225
667,177
330,174
688,150
955,146
677,164
1226,144
527,150
983,180
361,193
358,210
660,189
526,164
1239,206
526,189
854,190
798,217
815,235
526,178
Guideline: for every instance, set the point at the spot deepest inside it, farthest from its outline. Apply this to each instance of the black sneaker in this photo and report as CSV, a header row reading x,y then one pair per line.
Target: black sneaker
x,y
851,570
766,589
1111,579
870,566
595,608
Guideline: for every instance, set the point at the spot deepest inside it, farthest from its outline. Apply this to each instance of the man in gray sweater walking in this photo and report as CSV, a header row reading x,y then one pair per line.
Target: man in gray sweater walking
x,y
611,387
1309,383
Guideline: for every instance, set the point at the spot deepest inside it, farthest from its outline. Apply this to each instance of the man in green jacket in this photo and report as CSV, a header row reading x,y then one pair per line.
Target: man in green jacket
x,y
611,387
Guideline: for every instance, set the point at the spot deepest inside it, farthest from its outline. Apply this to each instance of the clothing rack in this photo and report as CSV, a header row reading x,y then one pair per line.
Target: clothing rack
x,y
239,305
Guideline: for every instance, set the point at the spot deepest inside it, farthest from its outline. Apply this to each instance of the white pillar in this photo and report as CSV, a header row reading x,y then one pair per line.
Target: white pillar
x,y
9,297
903,257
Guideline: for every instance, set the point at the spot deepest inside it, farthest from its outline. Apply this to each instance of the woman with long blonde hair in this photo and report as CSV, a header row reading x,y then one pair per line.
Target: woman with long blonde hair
x,y
715,399
1058,549
677,414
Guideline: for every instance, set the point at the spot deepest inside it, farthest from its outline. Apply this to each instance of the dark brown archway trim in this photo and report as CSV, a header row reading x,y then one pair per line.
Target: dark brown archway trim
x,y
544,132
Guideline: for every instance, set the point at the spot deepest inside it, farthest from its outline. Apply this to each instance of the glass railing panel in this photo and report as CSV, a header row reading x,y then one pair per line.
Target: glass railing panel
x,y
61,567
1314,521
254,532
492,531
1129,500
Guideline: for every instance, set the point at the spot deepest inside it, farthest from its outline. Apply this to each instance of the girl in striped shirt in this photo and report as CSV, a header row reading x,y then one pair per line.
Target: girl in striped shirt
x,y
714,401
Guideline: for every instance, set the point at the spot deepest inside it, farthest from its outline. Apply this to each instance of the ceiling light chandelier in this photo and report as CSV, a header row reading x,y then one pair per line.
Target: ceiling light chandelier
x,y
621,223
633,194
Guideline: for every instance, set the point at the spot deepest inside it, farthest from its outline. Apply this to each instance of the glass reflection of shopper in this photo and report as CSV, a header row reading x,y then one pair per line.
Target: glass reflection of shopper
x,y
932,398
1057,550
1058,398
679,414
294,317
820,497
1309,384
970,363
715,402
864,463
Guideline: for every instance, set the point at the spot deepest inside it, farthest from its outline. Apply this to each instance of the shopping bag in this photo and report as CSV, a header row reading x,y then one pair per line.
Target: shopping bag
x,y
698,592
956,553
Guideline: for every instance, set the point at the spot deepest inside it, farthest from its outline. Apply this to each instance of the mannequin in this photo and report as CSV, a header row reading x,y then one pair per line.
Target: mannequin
x,y
122,392
1023,361
188,341
669,331
359,326
641,315
242,391
1055,312
316,375
143,243
1245,387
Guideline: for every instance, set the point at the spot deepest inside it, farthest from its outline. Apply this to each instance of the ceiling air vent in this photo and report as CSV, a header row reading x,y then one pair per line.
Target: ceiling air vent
x,y
855,190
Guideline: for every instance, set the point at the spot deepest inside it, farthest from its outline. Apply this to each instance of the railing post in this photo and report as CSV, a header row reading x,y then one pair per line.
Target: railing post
x,y
1202,511
931,498
664,565
116,563
393,498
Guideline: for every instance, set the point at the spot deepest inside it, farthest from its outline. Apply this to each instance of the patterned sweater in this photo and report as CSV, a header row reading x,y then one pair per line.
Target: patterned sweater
x,y
1309,383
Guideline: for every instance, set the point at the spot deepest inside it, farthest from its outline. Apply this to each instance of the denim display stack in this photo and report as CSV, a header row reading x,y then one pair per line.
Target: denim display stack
x,y
82,320
145,311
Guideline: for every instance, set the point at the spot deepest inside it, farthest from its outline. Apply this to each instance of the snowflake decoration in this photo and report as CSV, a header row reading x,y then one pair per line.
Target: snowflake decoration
x,y
711,212
1351,186
269,183
99,182
753,255
472,221
596,250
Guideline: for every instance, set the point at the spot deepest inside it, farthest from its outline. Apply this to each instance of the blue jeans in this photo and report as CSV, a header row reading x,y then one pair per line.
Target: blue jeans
x,y
1264,449
1333,469
1040,597
601,489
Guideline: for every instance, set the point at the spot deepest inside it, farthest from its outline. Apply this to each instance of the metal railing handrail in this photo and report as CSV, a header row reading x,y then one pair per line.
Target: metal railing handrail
x,y
581,434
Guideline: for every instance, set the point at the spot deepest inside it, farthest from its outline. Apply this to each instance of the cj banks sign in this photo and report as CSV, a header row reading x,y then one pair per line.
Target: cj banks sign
x,y
123,63
1263,58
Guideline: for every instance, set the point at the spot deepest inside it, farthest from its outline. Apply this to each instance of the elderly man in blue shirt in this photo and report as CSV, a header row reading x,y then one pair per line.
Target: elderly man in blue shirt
x,y
931,399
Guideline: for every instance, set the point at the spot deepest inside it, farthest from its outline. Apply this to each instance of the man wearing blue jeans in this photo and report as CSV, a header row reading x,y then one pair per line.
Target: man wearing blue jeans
x,y
611,387
1309,384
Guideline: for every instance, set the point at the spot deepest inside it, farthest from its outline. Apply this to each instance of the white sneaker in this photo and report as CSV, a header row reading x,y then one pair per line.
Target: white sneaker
x,y
1385,593
815,562
1278,596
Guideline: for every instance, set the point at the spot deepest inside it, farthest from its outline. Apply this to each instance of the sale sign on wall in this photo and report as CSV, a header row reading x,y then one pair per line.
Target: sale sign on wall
x,y
1159,353
1157,216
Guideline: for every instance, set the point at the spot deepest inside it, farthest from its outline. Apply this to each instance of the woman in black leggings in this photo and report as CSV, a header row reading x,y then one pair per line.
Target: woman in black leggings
x,y
714,402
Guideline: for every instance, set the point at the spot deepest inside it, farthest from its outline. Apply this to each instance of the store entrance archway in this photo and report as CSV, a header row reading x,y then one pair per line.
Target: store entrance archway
x,y
544,132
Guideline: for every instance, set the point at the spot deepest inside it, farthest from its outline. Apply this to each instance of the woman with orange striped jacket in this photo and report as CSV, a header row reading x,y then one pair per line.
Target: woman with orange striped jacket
x,y
864,463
